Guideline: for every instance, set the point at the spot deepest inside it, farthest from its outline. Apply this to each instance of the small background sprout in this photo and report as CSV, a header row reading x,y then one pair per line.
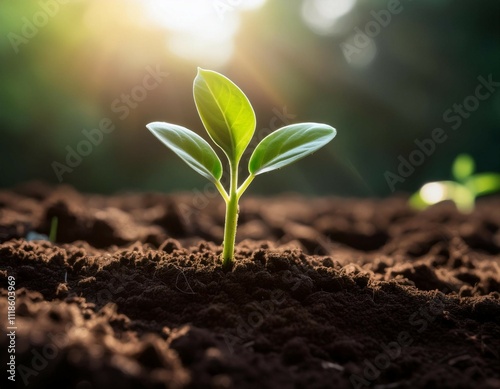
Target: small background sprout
x,y
463,191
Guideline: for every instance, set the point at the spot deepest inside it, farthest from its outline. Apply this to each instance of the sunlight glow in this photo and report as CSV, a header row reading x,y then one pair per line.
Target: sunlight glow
x,y
200,30
322,15
433,192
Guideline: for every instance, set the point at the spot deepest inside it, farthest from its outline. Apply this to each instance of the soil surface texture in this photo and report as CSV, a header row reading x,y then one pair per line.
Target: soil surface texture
x,y
325,292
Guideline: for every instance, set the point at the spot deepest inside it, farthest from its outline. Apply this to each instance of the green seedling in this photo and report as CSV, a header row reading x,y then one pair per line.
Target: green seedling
x,y
463,192
53,229
229,119
33,235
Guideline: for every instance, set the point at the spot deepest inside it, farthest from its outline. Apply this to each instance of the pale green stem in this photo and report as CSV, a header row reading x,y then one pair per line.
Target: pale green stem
x,y
231,218
222,191
245,185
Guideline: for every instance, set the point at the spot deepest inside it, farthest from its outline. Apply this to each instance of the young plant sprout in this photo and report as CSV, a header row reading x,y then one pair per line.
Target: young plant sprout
x,y
53,229
229,119
463,191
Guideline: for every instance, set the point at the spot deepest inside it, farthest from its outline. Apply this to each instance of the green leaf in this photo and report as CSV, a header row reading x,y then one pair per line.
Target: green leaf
x,y
484,183
225,112
191,147
463,167
289,144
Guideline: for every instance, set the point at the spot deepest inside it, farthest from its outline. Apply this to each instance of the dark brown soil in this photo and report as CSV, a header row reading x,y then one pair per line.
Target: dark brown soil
x,y
325,293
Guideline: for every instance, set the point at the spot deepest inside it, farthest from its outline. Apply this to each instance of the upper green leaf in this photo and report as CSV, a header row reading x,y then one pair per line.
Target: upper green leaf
x,y
463,167
225,112
289,144
191,147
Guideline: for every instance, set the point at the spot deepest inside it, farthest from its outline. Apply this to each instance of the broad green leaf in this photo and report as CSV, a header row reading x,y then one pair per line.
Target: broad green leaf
x,y
484,183
463,167
289,144
191,147
225,112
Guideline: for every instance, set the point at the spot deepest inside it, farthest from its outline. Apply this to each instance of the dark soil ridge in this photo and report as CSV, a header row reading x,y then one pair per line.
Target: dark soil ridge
x,y
395,299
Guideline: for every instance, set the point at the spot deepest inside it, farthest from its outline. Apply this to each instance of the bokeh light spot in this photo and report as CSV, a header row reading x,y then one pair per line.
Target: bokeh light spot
x,y
433,192
359,50
322,15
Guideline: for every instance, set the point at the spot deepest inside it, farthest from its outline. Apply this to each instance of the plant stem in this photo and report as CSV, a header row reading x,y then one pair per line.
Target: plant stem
x,y
221,190
245,185
231,218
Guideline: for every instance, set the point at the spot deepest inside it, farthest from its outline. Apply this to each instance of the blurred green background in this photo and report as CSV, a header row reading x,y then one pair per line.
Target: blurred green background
x,y
384,73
